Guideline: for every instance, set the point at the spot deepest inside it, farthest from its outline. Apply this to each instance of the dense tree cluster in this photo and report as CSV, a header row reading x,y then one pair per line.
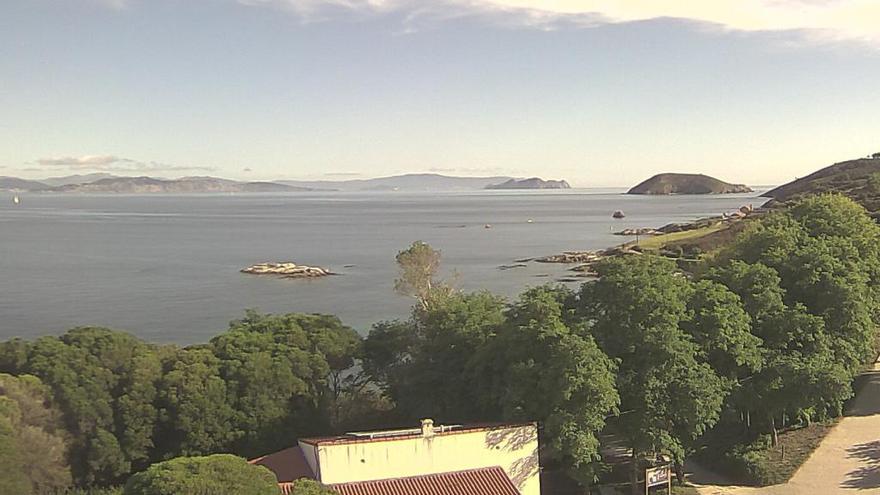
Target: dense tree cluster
x,y
32,439
770,331
125,404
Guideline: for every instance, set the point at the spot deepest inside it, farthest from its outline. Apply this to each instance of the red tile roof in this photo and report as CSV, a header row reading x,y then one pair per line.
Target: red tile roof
x,y
486,481
288,465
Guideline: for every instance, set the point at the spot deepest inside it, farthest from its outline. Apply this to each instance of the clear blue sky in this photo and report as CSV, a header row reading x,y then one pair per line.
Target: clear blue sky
x,y
601,92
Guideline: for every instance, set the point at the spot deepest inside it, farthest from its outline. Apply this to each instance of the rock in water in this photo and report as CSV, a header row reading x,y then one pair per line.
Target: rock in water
x,y
287,269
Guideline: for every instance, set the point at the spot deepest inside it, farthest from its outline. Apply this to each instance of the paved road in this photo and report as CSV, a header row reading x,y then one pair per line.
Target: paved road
x,y
846,462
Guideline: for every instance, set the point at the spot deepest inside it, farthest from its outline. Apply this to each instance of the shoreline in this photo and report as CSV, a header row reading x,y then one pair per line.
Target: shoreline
x,y
676,233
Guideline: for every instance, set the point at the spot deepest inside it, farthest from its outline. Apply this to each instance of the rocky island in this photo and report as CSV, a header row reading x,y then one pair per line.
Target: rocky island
x,y
287,269
532,183
687,184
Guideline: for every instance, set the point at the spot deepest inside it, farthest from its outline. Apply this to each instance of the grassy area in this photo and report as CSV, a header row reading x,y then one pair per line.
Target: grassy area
x,y
655,243
760,464
795,446
684,490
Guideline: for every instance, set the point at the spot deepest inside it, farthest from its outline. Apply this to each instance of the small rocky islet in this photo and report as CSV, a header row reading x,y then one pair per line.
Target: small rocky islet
x,y
287,269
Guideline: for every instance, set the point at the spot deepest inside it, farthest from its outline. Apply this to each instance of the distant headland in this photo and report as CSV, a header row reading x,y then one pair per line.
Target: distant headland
x,y
531,183
102,183
671,183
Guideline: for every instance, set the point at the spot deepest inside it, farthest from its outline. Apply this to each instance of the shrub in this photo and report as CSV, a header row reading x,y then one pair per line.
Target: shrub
x,y
220,474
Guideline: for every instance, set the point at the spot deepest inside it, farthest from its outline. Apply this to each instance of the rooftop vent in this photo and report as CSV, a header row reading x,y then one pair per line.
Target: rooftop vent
x,y
427,430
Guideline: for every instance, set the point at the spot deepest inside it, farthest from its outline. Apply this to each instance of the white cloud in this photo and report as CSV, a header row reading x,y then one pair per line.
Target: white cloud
x,y
111,163
79,161
827,19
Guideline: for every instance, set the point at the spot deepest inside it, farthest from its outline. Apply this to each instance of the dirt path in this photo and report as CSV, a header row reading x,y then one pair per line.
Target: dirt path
x,y
846,462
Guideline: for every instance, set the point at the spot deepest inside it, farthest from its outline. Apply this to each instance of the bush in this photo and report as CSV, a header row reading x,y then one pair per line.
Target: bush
x,y
220,474
751,462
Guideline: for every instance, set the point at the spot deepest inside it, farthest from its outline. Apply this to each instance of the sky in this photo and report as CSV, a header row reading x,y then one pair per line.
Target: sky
x,y
597,92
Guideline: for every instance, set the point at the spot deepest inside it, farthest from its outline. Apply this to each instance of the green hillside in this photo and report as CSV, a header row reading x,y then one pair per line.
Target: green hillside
x,y
856,179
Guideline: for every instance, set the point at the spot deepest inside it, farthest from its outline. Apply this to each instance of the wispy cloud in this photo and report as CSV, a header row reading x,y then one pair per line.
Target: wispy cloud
x,y
113,4
824,19
111,163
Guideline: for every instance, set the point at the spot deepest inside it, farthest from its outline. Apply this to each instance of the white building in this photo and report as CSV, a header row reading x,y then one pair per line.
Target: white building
x,y
496,459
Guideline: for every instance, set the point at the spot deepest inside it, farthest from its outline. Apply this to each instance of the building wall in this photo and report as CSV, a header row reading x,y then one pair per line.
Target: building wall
x,y
515,449
310,452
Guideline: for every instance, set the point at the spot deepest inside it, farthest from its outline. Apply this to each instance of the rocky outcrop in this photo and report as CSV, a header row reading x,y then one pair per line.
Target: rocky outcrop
x,y
287,270
571,257
641,231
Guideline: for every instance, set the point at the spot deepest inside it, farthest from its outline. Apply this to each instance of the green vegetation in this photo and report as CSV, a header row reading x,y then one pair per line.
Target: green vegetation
x,y
220,474
655,243
759,462
32,438
684,490
126,404
309,487
858,180
747,353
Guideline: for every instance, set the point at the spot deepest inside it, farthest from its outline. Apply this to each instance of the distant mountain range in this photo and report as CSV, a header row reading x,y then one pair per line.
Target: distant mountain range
x,y
106,183
407,182
16,184
76,179
184,185
101,183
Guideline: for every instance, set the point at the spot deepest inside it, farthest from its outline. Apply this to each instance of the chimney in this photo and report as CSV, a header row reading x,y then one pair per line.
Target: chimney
x,y
427,428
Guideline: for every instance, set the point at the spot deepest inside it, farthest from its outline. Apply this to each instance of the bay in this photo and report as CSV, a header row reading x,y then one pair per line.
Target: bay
x,y
166,268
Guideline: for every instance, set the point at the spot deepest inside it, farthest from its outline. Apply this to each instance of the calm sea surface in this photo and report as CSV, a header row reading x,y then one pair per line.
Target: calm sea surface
x,y
166,268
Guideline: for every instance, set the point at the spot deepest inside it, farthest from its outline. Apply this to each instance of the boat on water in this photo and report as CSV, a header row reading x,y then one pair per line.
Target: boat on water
x,y
618,214
16,200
